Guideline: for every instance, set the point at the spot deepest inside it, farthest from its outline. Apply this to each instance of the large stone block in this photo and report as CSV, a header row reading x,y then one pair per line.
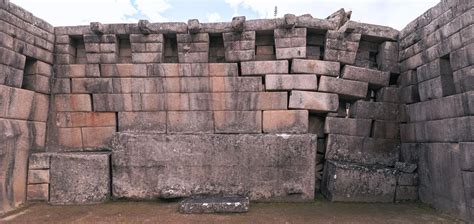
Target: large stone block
x,y
466,156
16,103
315,67
92,85
388,94
347,182
236,84
79,178
375,78
116,102
38,176
435,88
386,129
291,82
238,121
123,70
348,126
264,67
73,102
85,119
285,121
458,129
446,107
375,110
142,122
362,150
37,192
38,161
173,166
190,122
97,137
346,89
314,101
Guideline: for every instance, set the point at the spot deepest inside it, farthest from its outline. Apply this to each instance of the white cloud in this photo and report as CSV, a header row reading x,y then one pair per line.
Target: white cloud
x,y
82,12
213,17
394,13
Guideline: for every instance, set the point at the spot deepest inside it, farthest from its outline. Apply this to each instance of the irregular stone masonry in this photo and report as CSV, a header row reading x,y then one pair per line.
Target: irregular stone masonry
x,y
367,104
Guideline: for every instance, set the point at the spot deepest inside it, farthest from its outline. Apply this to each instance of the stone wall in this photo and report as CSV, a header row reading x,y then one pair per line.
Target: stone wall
x,y
436,62
26,58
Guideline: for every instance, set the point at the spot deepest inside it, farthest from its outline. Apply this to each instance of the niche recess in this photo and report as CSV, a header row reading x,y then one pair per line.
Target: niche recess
x,y
367,54
264,45
170,54
125,49
78,49
216,48
315,40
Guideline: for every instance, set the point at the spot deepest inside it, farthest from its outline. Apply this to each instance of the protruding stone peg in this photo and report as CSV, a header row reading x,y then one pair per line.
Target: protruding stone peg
x,y
194,26
97,28
290,21
144,26
238,24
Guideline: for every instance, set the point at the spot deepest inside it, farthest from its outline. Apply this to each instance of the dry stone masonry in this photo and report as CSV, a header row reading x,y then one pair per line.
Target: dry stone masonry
x,y
264,110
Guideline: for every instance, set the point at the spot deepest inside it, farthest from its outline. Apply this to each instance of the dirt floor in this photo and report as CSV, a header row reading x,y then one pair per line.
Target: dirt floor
x,y
162,212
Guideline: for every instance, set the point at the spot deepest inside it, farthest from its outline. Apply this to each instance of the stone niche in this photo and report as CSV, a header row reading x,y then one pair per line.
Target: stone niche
x,y
264,167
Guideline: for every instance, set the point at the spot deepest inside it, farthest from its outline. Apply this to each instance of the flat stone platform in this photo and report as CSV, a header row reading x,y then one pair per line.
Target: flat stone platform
x,y
160,212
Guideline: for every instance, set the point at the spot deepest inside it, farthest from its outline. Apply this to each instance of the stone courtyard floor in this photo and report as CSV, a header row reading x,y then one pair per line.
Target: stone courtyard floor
x,y
166,212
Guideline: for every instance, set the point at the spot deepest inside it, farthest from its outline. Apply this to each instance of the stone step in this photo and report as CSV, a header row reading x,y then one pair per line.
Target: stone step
x,y
214,204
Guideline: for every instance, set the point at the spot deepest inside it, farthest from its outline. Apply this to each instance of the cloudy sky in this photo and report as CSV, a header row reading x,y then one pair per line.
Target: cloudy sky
x,y
394,13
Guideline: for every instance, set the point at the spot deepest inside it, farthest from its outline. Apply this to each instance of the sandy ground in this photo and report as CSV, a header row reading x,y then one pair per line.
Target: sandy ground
x,y
274,213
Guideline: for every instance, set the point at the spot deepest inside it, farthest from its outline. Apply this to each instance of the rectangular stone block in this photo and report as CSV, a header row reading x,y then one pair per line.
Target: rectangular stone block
x,y
38,161
61,86
11,76
388,94
73,102
123,70
407,179
37,83
79,178
386,129
290,53
190,122
446,130
39,68
362,150
250,101
314,101
291,82
466,156
264,67
374,110
12,58
285,121
116,102
85,119
236,84
257,164
238,122
346,89
348,126
407,78
375,78
37,192
316,125
436,88
77,71
315,67
409,94
40,107
70,137
16,103
97,137
346,182
142,122
446,107
223,69
38,176
433,69
91,85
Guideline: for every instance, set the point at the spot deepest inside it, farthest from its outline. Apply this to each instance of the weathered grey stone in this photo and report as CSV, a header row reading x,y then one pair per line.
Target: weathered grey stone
x,y
386,129
214,204
285,121
171,166
405,167
466,156
264,67
375,110
362,150
38,161
291,82
407,179
388,94
406,193
315,67
446,107
435,88
290,21
238,121
142,122
375,78
348,182
194,26
347,126
97,28
37,192
346,89
446,130
314,101
38,176
374,32
79,178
